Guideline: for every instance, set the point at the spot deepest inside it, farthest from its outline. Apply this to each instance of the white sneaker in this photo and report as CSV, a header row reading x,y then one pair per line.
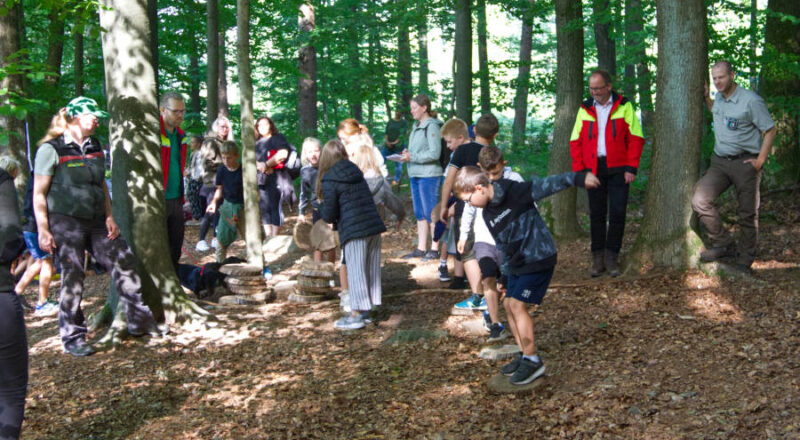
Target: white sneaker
x,y
202,246
215,243
349,322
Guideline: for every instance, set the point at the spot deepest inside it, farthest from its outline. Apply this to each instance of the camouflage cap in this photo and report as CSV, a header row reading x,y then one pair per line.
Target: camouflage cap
x,y
83,105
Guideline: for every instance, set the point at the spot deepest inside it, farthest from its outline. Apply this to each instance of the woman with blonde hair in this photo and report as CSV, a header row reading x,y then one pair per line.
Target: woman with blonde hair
x,y
380,189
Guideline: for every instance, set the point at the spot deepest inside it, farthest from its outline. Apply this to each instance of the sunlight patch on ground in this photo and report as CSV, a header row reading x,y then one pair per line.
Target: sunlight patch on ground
x,y
218,336
46,344
773,264
242,396
425,273
699,280
628,302
714,307
447,392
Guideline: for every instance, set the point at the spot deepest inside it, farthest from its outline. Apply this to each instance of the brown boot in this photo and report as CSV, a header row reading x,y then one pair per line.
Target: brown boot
x,y
611,263
598,265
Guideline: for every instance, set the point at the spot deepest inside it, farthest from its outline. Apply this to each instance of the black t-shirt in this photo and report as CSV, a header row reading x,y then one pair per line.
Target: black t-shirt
x,y
231,181
466,155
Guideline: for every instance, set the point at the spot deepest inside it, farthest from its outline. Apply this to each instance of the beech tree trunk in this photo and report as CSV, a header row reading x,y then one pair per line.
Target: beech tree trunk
x,y
152,15
252,215
629,79
77,61
638,45
194,84
354,58
404,88
603,36
463,56
222,89
422,38
569,92
666,237
483,59
12,127
781,84
212,62
307,81
137,183
523,78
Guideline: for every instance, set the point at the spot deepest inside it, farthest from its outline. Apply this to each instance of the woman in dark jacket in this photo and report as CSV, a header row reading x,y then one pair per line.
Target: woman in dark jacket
x,y
345,201
272,151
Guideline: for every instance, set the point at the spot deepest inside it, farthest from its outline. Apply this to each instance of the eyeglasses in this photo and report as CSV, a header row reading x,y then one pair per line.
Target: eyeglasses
x,y
469,199
177,112
598,89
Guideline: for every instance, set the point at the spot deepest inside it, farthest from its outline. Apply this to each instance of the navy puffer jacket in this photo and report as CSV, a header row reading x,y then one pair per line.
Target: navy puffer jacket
x,y
347,203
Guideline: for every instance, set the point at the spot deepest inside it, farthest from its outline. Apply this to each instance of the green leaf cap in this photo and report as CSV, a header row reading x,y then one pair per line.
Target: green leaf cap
x,y
83,105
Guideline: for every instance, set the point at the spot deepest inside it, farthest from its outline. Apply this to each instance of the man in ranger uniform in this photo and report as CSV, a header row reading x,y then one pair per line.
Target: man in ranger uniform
x,y
173,162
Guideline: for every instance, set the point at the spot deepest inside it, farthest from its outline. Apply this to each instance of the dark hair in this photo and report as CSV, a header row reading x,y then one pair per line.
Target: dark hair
x,y
489,157
603,74
331,153
422,100
487,126
725,63
229,147
468,178
272,130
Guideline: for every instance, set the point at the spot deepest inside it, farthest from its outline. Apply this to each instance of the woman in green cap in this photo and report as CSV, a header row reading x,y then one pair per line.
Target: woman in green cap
x,y
73,212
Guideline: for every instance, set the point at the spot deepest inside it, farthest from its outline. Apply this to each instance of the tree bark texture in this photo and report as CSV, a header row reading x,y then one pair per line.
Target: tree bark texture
x,y
55,49
354,59
404,87
152,15
629,79
77,61
212,61
194,84
569,92
523,79
222,89
252,215
463,56
666,237
781,83
11,43
307,81
603,37
483,58
639,45
137,183
422,38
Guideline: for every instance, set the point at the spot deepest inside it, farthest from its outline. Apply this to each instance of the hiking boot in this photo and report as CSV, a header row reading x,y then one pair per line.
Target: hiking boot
x,y
471,303
598,263
202,246
349,322
459,283
497,333
527,372
716,253
444,274
416,253
79,348
611,263
430,255
509,368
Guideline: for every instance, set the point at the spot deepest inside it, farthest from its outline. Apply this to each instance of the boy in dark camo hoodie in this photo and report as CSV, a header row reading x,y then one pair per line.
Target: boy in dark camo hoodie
x,y
528,250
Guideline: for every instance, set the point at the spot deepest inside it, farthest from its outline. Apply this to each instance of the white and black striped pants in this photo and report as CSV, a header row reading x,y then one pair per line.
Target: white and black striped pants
x,y
363,257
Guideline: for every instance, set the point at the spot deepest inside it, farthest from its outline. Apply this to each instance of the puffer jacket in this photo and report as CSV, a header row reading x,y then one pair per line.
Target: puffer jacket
x,y
347,203
11,243
520,232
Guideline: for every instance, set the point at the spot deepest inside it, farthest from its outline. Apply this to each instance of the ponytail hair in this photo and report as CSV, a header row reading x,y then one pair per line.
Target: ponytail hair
x,y
422,100
58,125
349,128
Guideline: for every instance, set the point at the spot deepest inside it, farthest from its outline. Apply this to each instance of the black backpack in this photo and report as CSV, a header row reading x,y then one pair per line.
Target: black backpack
x,y
444,152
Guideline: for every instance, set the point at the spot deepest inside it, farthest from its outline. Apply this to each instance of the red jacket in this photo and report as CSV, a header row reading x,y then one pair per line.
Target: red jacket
x,y
624,138
165,152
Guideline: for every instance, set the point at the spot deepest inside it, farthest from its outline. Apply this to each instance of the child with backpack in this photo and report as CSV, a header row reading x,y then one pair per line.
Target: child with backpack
x,y
380,189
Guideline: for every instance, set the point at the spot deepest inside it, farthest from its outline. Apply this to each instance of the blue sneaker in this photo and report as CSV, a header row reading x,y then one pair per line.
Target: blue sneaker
x,y
471,303
266,273
482,304
46,309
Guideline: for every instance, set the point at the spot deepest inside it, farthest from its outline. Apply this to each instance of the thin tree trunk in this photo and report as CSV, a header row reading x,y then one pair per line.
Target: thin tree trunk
x,y
629,80
483,59
382,80
523,78
10,125
403,65
77,61
55,49
194,85
252,214
606,49
222,90
137,180
754,44
666,237
642,71
354,58
152,15
422,38
463,55
307,81
212,62
569,90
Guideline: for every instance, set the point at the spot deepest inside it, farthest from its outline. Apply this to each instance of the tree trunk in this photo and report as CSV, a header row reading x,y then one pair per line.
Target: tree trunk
x,y
134,137
252,215
307,80
642,71
404,88
483,59
222,90
422,37
569,90
666,237
606,48
523,78
152,15
354,59
12,126
463,56
781,84
384,84
629,79
55,49
754,44
212,62
77,61
194,85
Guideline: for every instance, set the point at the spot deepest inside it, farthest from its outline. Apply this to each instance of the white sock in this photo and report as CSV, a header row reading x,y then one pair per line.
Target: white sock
x,y
442,262
534,358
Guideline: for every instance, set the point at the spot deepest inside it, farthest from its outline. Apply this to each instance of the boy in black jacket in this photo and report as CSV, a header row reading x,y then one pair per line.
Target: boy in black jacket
x,y
528,250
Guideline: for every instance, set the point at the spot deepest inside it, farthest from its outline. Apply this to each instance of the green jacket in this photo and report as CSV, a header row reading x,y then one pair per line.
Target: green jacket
x,y
425,146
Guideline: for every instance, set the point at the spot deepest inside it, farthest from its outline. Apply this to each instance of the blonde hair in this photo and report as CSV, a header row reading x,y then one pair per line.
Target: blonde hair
x,y
454,129
304,151
222,120
353,143
468,178
9,164
364,158
58,125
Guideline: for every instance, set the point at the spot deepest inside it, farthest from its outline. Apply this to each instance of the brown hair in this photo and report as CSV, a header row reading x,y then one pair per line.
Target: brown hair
x,y
487,126
454,129
489,157
468,178
272,130
229,147
724,63
422,100
602,74
331,153
58,125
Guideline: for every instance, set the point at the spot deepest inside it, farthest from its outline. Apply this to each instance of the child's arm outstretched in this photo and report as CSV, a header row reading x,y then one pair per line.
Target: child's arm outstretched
x,y
547,186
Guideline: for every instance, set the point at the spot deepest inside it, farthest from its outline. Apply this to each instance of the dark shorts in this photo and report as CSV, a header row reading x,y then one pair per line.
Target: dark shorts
x,y
488,260
32,243
269,203
530,287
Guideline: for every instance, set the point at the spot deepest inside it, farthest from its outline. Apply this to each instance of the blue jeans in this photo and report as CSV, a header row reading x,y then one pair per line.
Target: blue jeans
x,y
424,196
398,166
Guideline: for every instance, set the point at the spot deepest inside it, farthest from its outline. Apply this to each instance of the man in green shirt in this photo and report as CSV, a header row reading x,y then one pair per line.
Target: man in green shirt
x,y
173,162
396,132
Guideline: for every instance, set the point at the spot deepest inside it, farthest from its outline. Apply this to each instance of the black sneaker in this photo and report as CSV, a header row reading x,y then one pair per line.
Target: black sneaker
x,y
527,372
716,253
444,274
496,333
416,253
430,255
459,283
509,368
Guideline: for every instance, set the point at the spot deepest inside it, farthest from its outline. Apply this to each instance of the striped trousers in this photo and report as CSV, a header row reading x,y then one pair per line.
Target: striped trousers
x,y
363,258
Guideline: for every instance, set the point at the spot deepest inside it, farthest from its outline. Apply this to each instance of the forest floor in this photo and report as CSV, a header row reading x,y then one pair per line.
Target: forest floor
x,y
660,355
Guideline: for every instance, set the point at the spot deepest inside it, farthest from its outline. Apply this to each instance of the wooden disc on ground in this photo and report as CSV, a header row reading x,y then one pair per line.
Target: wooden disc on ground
x,y
302,235
247,290
313,273
322,236
308,263
303,298
498,352
240,269
314,290
249,281
303,282
246,278
500,384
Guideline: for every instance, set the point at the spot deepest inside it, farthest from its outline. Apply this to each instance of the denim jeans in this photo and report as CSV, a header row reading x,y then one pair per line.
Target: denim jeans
x,y
424,196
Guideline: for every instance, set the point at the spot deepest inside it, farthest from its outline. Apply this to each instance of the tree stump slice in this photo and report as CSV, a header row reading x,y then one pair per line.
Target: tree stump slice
x,y
239,269
315,273
500,384
249,281
305,298
304,282
313,290
247,290
302,235
499,352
